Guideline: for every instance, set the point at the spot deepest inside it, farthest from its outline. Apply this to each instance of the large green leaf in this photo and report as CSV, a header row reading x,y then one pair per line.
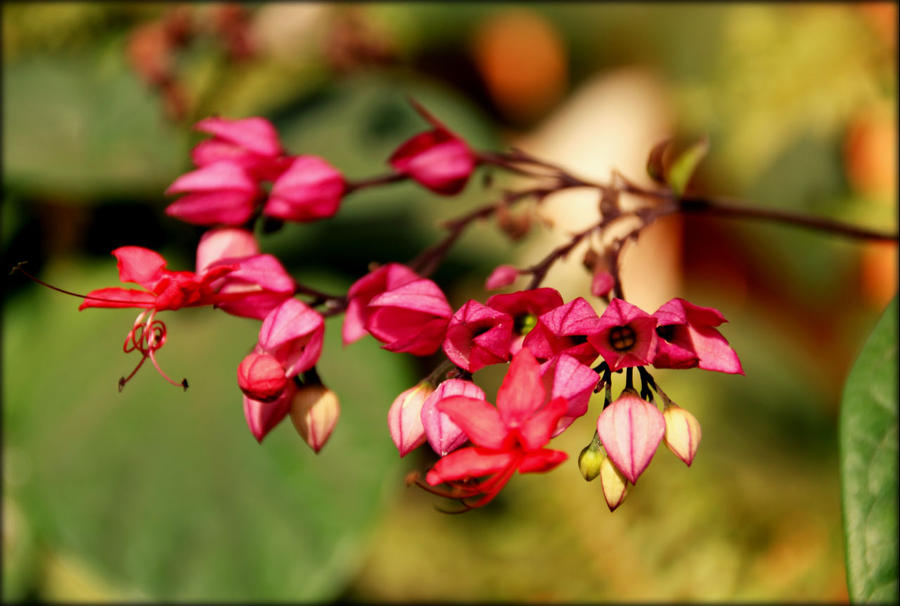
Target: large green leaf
x,y
164,493
868,435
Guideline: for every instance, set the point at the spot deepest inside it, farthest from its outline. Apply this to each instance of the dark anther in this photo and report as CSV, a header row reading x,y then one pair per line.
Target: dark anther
x,y
121,384
666,332
184,384
622,338
578,339
480,331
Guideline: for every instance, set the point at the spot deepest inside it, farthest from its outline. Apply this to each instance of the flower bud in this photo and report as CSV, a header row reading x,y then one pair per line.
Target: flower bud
x,y
314,412
405,418
682,432
590,460
503,275
614,484
630,430
261,377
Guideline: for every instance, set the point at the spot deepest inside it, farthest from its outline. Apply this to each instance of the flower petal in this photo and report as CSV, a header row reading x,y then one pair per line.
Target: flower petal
x,y
254,133
542,460
118,297
475,418
225,243
471,462
139,265
522,391
535,433
631,430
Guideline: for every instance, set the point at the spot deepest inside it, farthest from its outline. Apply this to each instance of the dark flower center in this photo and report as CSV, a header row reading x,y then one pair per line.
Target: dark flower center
x,y
666,332
622,338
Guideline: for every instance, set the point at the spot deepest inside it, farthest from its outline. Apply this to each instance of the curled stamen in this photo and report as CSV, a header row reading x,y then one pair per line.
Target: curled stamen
x,y
147,337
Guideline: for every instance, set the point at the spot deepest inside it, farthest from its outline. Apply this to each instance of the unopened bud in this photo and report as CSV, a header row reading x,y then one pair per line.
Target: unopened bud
x,y
602,283
590,459
614,484
503,275
261,377
314,412
405,417
682,432
630,430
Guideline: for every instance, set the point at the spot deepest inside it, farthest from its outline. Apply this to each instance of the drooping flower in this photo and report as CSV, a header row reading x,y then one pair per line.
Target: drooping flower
x,y
218,193
507,438
405,418
262,417
165,290
251,143
385,278
258,283
411,318
503,275
565,329
314,412
688,338
524,306
565,377
478,336
437,159
310,189
631,430
292,334
625,335
443,434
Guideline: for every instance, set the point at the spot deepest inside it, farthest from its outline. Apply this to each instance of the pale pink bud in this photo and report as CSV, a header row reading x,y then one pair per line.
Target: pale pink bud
x,y
405,418
631,430
261,377
614,484
314,412
682,432
504,275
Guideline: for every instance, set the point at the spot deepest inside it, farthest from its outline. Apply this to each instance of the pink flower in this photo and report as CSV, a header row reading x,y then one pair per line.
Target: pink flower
x,y
251,143
258,283
437,159
506,439
565,377
261,377
687,338
478,336
221,192
631,430
564,330
405,418
411,318
310,189
524,307
625,335
165,290
443,434
262,417
503,275
292,333
385,278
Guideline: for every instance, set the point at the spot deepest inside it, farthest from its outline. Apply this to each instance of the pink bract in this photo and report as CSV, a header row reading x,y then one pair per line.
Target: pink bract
x,y
631,430
625,336
385,278
503,275
443,435
261,377
565,377
292,333
262,417
405,418
309,190
412,318
565,329
251,143
221,192
524,306
688,338
478,336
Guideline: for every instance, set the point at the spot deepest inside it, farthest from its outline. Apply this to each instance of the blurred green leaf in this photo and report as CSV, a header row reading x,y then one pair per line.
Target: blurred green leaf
x,y
83,125
868,440
166,494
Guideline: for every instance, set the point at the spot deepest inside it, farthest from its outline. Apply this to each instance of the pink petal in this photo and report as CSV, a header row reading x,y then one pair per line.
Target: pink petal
x,y
503,275
471,462
566,377
308,190
139,265
225,207
631,430
536,301
478,336
602,283
442,433
474,418
221,176
421,295
521,392
354,327
263,272
293,333
541,460
118,297
255,134
254,305
536,432
405,418
262,417
406,331
225,243
714,351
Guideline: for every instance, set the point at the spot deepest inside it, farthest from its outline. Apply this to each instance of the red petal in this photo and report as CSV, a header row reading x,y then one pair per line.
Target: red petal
x,y
542,460
536,432
255,134
471,462
139,265
522,391
118,297
477,419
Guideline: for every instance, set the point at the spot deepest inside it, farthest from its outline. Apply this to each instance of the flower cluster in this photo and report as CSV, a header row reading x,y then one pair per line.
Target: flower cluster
x,y
558,353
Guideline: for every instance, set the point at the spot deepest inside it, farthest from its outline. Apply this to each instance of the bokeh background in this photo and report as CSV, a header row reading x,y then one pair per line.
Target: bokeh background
x,y
154,494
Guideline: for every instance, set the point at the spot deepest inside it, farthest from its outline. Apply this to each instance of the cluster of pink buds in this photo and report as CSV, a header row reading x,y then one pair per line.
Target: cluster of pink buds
x,y
550,345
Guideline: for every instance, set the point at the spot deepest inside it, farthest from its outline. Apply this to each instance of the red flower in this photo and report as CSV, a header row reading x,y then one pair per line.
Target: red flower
x,y
524,306
165,290
564,330
506,439
222,192
478,336
625,335
251,143
565,377
687,338
437,159
310,189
